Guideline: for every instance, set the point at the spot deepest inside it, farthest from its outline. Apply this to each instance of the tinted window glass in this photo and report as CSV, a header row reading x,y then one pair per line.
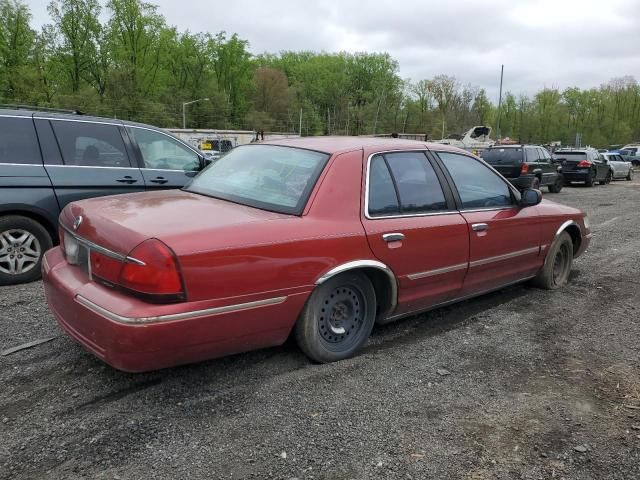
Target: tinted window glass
x,y
163,152
478,186
495,156
18,141
418,186
382,194
263,176
532,154
90,144
545,154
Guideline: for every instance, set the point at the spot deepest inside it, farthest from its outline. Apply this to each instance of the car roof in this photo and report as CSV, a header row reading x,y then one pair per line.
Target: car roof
x,y
333,145
68,116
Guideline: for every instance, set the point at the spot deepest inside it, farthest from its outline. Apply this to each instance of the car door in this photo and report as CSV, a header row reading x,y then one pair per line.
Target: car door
x,y
413,227
504,239
602,168
164,161
93,160
547,168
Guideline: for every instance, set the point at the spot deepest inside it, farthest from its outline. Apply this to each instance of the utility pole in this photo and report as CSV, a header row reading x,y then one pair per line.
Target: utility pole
x,y
300,129
499,104
184,115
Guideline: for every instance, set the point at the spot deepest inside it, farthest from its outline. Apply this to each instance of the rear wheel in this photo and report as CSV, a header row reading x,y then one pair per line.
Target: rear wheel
x,y
557,265
556,186
535,183
589,181
23,241
338,318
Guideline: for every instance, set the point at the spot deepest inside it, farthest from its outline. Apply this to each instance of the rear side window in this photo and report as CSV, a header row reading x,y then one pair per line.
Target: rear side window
x,y
477,185
18,141
494,156
405,183
90,144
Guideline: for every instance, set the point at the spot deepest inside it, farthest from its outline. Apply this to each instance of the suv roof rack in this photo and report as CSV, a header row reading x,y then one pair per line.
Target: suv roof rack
x,y
39,109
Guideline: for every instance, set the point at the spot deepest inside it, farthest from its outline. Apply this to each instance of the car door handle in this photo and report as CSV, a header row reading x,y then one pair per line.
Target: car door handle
x,y
393,237
127,179
160,180
479,227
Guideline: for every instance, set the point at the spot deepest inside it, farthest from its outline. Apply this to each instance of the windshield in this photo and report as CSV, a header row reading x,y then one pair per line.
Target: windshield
x,y
270,177
502,155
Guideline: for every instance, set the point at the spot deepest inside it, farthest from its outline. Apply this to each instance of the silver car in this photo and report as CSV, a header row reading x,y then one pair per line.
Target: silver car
x,y
619,168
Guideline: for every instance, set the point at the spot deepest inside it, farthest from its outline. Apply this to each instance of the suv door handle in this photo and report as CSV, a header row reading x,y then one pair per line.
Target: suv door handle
x,y
127,179
393,237
479,227
160,180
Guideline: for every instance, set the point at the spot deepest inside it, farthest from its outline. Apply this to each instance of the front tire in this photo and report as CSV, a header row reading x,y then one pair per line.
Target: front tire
x,y
338,318
630,174
557,266
23,242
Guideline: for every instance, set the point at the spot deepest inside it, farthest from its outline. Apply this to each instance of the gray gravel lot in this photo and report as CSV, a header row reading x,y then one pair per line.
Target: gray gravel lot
x,y
541,385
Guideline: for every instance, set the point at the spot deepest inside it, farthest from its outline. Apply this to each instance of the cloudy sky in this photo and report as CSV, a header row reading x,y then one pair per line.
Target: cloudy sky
x,y
557,43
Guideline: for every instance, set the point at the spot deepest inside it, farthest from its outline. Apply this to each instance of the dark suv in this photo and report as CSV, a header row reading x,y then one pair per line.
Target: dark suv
x,y
50,159
525,166
585,165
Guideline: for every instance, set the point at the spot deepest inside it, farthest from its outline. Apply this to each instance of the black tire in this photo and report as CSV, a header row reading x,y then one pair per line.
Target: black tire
x,y
607,179
535,183
23,256
557,266
630,175
556,186
338,318
589,181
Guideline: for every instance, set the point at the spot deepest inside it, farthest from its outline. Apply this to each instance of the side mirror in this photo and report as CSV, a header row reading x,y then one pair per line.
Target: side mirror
x,y
530,197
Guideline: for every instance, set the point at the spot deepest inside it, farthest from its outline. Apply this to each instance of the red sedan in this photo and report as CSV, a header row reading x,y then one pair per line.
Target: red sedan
x,y
322,237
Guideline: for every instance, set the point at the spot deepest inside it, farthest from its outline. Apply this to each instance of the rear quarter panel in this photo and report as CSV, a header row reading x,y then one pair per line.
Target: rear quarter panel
x,y
284,255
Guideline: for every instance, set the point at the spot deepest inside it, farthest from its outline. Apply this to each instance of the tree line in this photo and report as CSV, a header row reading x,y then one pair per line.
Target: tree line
x,y
136,66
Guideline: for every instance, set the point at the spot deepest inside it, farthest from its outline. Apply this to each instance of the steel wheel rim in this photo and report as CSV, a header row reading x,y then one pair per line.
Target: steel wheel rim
x,y
560,263
20,251
341,317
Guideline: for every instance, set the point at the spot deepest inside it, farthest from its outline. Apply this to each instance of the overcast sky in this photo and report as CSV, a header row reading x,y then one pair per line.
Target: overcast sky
x,y
557,43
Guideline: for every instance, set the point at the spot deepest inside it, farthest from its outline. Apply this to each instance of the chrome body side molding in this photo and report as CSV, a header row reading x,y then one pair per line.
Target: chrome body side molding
x,y
176,316
438,271
506,256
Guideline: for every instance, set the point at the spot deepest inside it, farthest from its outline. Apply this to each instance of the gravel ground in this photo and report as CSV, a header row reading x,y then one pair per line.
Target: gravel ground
x,y
523,383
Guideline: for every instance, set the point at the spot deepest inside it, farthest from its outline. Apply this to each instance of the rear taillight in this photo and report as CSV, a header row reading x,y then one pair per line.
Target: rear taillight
x,y
524,169
584,164
151,271
105,268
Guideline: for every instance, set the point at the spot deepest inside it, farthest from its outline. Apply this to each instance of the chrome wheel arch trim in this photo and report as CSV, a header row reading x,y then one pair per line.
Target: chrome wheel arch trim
x,y
358,264
561,229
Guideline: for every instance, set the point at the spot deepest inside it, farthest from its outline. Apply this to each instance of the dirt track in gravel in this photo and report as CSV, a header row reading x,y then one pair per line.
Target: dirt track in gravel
x,y
534,374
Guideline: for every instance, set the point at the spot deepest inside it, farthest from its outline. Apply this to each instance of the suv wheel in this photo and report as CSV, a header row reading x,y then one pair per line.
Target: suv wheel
x,y
535,183
607,179
589,181
23,241
630,174
556,186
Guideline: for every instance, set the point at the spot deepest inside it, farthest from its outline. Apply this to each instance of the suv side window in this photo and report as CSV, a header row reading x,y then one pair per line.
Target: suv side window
x,y
90,144
531,155
160,151
416,182
18,141
477,185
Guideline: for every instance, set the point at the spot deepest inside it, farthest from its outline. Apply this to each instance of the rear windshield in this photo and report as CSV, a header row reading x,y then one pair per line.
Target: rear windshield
x,y
269,177
502,155
571,155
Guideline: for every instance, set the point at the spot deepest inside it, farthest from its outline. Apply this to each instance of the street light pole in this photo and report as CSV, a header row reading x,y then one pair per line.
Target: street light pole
x,y
184,116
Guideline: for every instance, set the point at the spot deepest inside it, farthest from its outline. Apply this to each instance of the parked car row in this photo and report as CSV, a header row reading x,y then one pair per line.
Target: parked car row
x,y
532,166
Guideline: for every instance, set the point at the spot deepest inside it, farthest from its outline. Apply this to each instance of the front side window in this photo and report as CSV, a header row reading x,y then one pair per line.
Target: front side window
x,y
90,144
477,185
160,151
18,141
270,177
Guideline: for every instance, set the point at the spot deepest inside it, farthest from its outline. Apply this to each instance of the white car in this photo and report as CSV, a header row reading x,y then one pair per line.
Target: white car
x,y
619,167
